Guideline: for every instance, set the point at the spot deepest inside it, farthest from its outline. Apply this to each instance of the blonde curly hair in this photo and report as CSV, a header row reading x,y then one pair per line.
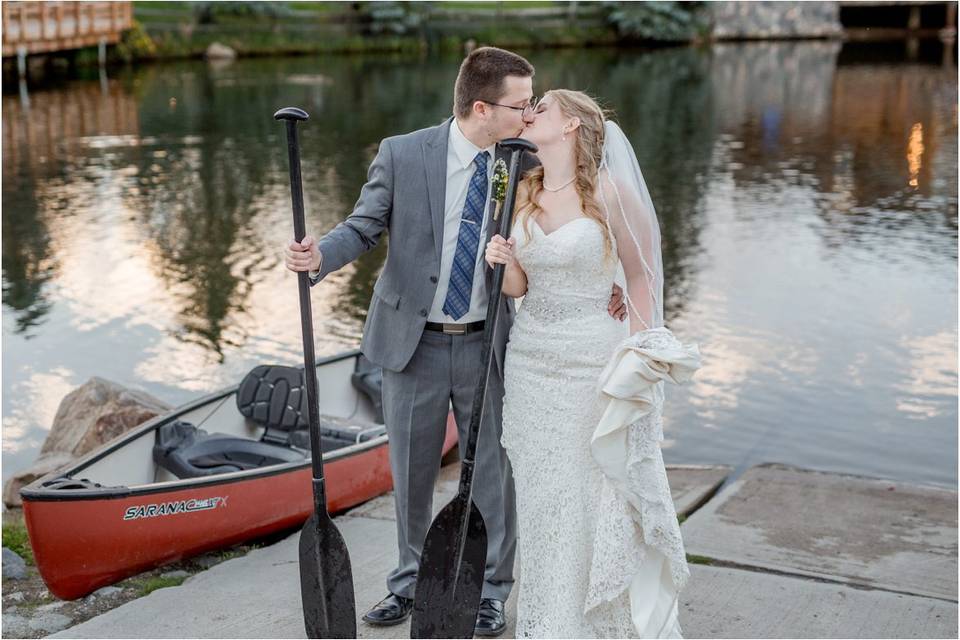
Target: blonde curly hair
x,y
588,151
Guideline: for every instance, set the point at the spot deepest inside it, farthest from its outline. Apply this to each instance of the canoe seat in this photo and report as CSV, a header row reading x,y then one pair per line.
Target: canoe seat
x,y
275,397
189,452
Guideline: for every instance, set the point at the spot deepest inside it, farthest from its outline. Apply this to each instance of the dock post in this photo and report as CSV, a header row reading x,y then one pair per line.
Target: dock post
x,y
22,62
22,72
102,57
949,32
948,35
912,47
913,22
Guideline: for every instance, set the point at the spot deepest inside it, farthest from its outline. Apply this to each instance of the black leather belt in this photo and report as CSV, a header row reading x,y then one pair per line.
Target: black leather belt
x,y
456,329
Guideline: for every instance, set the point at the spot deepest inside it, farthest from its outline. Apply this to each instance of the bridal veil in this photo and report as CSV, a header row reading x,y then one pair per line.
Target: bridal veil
x,y
638,558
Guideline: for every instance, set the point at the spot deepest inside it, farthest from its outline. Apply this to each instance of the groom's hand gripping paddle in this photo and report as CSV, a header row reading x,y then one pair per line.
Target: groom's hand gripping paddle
x,y
326,581
450,578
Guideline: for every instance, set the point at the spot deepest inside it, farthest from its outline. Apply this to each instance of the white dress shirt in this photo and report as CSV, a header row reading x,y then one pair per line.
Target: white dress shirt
x,y
460,168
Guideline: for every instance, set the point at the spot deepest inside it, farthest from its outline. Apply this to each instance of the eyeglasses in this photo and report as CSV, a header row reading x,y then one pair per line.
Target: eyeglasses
x,y
525,110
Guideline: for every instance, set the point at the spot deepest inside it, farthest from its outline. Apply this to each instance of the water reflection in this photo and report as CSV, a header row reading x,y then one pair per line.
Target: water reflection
x,y
808,210
44,391
930,375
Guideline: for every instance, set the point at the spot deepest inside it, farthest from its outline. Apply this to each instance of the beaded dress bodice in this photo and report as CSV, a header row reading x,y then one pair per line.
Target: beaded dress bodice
x,y
568,276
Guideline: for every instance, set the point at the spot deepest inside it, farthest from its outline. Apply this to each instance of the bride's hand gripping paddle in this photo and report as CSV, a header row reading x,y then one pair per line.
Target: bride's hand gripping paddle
x,y
450,578
326,580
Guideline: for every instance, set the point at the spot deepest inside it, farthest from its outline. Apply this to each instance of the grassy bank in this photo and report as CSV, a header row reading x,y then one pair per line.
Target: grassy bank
x,y
167,30
171,45
15,535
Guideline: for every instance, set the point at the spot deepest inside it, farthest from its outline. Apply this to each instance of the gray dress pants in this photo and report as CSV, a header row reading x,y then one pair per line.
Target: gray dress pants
x,y
444,369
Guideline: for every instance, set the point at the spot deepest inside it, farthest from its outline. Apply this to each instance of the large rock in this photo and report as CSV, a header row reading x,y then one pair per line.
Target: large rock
x,y
45,464
14,567
217,51
89,416
110,425
97,412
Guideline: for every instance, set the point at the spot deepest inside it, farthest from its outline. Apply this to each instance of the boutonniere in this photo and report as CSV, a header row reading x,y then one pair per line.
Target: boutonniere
x,y
499,185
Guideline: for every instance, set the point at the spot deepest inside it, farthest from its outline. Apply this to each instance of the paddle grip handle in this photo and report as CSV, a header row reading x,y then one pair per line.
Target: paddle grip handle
x,y
292,116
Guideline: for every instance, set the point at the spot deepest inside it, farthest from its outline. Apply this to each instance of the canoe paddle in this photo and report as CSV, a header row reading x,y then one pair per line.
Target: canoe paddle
x,y
326,580
450,579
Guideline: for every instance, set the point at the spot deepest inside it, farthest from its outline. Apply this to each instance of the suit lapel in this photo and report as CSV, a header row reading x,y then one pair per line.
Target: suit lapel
x,y
435,163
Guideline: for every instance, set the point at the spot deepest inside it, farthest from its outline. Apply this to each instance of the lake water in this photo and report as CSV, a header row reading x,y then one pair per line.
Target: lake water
x,y
807,194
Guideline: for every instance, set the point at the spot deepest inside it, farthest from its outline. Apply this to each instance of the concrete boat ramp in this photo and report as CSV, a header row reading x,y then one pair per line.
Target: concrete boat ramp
x,y
780,552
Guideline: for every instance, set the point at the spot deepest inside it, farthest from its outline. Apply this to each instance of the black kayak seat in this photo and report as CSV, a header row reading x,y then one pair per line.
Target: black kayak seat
x,y
189,452
273,396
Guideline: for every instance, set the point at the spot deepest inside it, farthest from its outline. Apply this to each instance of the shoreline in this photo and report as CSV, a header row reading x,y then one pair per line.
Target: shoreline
x,y
781,502
30,608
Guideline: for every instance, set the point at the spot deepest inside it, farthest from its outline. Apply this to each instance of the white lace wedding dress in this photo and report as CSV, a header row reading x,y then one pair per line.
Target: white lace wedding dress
x,y
591,565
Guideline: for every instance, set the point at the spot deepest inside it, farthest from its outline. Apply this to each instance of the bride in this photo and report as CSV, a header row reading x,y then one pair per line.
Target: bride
x,y
600,547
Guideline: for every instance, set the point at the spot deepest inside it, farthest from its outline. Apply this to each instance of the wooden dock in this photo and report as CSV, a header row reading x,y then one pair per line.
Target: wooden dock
x,y
46,27
907,18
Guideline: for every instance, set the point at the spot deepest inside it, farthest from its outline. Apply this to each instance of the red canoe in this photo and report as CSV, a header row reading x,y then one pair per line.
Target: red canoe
x,y
118,512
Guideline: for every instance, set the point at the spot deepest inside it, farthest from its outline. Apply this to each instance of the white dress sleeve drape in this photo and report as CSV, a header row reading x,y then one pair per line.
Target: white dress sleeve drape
x,y
637,547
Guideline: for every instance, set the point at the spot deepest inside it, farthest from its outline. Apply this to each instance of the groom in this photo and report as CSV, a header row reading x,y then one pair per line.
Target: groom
x,y
430,191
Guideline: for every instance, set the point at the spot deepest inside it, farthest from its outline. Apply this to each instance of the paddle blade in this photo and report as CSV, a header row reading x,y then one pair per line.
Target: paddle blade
x,y
326,581
450,579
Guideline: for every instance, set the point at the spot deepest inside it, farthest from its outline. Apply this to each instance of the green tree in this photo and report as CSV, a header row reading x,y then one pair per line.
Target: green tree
x,y
663,20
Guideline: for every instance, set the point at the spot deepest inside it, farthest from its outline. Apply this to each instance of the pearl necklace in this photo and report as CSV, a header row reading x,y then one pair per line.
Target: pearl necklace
x,y
565,184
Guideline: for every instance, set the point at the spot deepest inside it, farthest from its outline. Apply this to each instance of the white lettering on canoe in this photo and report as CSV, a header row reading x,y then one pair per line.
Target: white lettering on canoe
x,y
172,508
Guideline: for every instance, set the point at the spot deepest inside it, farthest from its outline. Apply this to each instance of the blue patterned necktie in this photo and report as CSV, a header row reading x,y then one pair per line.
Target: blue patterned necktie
x,y
460,288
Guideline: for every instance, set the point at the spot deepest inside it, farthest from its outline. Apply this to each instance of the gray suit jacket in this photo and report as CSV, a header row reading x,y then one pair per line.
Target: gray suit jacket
x,y
404,195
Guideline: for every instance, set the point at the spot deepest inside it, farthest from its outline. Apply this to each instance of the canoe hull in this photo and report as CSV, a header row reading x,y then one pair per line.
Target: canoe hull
x,y
81,545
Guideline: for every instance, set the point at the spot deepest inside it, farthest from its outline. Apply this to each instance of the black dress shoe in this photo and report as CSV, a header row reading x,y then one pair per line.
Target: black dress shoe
x,y
391,610
491,621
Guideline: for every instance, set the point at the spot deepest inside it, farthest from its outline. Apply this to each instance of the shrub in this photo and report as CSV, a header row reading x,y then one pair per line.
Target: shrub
x,y
207,12
398,18
136,44
659,20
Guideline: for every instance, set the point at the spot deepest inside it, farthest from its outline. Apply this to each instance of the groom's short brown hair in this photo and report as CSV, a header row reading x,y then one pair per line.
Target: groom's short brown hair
x,y
482,77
